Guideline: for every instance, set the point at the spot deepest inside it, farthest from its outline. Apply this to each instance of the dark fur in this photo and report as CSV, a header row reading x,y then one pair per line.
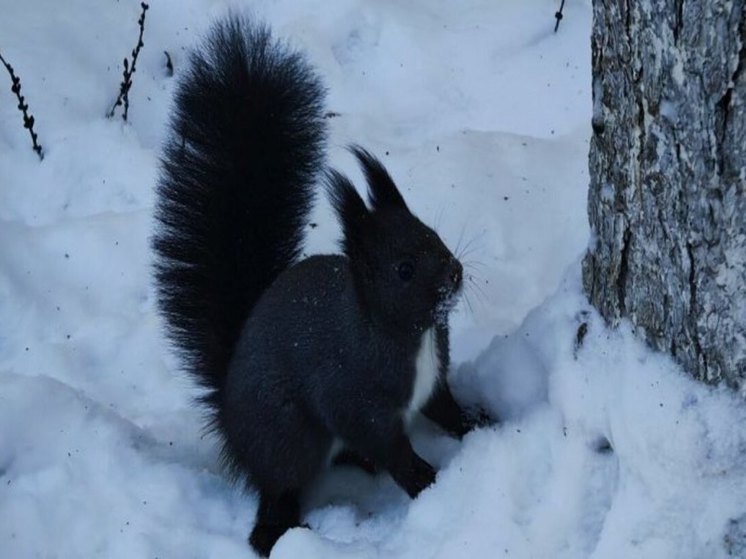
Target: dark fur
x,y
293,354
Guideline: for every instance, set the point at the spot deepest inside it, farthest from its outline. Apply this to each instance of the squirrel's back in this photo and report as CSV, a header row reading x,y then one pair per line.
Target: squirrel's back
x,y
237,183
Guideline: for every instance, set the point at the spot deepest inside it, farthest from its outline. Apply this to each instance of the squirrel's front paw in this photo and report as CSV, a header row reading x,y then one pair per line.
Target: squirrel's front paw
x,y
470,419
478,417
423,476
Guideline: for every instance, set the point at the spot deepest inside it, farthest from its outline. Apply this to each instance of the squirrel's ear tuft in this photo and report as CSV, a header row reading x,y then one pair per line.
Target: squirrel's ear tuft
x,y
382,191
350,208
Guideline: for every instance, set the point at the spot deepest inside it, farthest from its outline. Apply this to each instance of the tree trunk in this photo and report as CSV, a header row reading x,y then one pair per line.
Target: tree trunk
x,y
668,168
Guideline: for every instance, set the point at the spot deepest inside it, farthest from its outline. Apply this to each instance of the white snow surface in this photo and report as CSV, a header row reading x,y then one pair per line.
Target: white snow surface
x,y
482,115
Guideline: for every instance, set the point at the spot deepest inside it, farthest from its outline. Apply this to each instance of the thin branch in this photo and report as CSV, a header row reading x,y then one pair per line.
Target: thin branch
x,y
124,87
28,119
169,64
558,15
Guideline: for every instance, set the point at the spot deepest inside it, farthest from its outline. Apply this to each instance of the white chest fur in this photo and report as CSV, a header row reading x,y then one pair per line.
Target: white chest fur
x,y
427,368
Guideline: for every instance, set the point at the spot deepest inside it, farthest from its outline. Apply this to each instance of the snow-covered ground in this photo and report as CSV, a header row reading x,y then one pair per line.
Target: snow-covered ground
x,y
482,114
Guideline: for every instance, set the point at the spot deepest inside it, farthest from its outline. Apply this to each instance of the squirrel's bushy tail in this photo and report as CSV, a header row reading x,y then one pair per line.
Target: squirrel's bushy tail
x,y
237,184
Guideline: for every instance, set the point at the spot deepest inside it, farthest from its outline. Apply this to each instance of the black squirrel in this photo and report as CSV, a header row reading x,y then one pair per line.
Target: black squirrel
x,y
299,358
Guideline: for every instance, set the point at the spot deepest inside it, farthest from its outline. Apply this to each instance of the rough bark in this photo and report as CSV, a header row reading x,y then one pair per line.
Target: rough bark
x,y
668,167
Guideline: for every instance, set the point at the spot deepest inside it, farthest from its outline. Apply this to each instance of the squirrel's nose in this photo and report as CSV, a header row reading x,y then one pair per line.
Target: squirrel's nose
x,y
456,273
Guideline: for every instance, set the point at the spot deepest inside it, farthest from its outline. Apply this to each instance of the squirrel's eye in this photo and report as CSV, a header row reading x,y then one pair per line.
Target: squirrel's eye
x,y
405,270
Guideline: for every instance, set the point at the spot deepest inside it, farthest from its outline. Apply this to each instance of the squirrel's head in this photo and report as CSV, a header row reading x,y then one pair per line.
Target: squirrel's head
x,y
404,274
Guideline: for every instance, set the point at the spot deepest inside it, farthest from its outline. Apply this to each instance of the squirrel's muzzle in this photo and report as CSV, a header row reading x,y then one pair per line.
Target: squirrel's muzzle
x,y
454,275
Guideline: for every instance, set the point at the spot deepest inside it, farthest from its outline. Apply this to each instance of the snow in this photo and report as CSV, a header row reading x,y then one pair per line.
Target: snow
x,y
605,449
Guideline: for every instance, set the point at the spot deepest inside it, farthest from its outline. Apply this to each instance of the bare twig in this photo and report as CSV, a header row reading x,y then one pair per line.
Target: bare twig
x,y
558,15
124,88
28,119
169,64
